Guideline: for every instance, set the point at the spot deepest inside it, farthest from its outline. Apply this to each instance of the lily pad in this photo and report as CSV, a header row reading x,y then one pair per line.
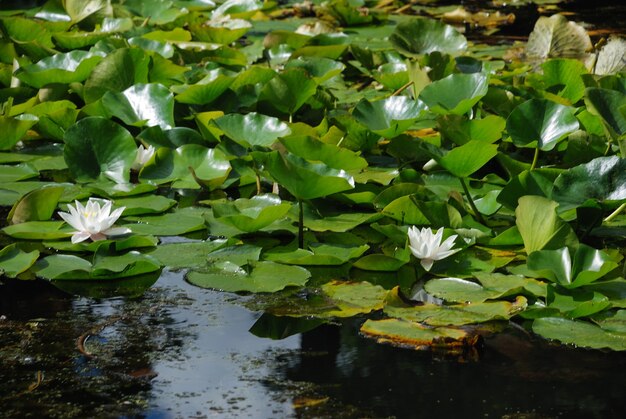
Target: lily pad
x,y
253,129
403,333
253,214
262,277
388,117
579,333
186,255
38,205
455,94
422,36
142,104
14,261
96,146
541,123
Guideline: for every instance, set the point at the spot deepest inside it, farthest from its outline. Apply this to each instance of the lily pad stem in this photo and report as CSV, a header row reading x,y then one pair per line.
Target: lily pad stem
x,y
401,89
535,158
471,202
300,225
615,213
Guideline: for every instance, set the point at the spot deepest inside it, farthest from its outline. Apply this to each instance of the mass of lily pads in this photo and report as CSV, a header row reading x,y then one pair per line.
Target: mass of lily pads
x,y
322,159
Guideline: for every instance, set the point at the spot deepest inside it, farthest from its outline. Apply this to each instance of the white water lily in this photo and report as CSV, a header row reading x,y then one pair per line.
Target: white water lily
x,y
92,221
428,248
142,157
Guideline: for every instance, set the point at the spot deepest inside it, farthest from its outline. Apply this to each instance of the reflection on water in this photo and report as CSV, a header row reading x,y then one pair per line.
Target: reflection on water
x,y
180,351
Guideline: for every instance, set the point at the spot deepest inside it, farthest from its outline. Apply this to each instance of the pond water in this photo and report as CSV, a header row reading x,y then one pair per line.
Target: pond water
x,y
180,351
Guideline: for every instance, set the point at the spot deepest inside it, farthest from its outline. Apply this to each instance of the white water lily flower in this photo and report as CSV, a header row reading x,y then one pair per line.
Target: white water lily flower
x,y
427,247
92,221
143,155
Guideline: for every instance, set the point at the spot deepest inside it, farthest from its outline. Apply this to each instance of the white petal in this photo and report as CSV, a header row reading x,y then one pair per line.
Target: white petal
x,y
448,243
444,254
80,236
427,263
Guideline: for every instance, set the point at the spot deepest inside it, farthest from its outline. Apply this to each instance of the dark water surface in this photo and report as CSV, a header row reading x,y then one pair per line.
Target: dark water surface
x,y
180,351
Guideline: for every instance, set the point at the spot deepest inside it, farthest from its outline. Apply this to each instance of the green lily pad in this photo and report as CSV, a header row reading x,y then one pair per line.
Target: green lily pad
x,y
14,128
69,267
579,333
540,226
541,123
204,92
253,129
332,155
321,254
143,205
39,230
187,254
455,94
38,205
117,245
239,255
171,224
320,68
465,160
79,10
96,147
142,104
388,117
603,179
422,36
14,261
186,166
289,90
586,265
116,72
306,180
494,286
17,172
70,67
253,214
263,277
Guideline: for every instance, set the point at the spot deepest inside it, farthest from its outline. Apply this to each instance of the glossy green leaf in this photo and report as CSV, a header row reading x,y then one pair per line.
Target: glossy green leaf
x,y
388,117
116,244
116,72
540,123
455,94
253,129
422,36
491,286
585,266
142,105
204,92
565,74
38,205
14,261
289,90
252,214
70,67
14,128
576,303
54,117
461,130
579,333
239,255
80,9
606,104
186,166
38,230
96,146
602,179
392,75
262,277
171,224
320,254
540,226
306,180
320,68
69,267
315,150
187,254
145,204
17,172
464,160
